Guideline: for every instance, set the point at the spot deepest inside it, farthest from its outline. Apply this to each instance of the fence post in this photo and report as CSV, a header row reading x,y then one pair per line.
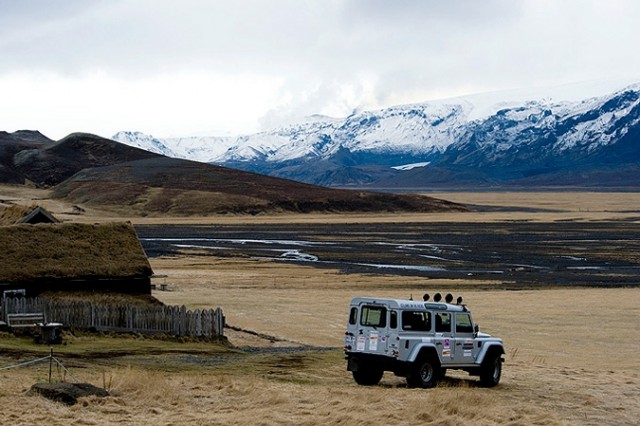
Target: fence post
x,y
93,315
183,321
50,364
219,322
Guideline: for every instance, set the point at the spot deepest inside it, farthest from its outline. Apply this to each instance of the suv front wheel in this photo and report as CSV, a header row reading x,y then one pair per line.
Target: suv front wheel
x,y
491,370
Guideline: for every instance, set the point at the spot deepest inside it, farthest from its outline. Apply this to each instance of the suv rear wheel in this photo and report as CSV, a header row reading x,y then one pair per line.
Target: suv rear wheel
x,y
367,375
424,373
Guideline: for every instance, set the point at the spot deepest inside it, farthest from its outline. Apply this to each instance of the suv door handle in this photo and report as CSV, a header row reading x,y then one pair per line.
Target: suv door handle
x,y
438,343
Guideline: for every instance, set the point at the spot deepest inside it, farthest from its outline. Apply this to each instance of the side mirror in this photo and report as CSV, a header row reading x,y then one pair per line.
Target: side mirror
x,y
476,329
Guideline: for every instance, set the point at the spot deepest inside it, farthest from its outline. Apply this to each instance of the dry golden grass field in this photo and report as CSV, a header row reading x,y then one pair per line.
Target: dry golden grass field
x,y
573,354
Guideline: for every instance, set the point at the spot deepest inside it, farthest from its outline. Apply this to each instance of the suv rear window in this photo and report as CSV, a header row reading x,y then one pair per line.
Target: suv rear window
x,y
353,315
373,316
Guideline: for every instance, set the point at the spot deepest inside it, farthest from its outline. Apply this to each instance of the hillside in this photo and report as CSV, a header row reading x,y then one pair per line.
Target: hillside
x,y
31,156
169,186
90,170
13,143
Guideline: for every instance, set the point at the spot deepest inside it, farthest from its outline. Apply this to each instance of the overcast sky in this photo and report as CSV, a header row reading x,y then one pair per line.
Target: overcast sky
x,y
207,67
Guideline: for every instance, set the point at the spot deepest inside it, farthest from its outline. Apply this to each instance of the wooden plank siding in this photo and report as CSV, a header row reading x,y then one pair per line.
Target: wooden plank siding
x,y
172,320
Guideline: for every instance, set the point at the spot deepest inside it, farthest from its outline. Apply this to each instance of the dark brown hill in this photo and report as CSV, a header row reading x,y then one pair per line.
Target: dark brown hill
x,y
167,185
52,164
84,168
13,143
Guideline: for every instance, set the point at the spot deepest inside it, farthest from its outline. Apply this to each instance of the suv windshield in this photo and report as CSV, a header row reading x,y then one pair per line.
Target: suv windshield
x,y
463,323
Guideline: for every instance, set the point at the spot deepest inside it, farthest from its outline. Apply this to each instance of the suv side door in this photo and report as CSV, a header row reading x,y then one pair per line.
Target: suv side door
x,y
465,349
444,338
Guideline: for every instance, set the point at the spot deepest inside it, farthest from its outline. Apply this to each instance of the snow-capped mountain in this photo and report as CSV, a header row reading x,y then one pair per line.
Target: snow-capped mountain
x,y
536,136
454,141
415,129
146,142
203,149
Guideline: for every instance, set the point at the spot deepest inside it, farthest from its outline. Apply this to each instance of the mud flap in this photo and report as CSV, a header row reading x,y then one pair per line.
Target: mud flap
x,y
352,364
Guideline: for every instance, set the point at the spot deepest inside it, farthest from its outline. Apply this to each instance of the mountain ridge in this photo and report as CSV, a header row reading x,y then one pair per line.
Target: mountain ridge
x,y
505,143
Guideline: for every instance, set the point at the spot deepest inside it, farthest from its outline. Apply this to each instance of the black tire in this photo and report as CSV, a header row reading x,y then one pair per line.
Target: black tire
x,y
491,370
425,373
367,375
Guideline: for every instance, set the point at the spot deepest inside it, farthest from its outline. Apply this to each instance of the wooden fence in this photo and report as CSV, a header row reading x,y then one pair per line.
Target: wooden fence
x,y
173,320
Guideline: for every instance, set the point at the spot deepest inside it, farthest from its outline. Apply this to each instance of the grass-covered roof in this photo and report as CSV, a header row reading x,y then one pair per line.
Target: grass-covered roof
x,y
70,251
13,214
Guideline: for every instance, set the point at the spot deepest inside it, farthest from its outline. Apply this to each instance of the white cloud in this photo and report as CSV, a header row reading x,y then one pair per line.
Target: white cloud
x,y
196,66
167,105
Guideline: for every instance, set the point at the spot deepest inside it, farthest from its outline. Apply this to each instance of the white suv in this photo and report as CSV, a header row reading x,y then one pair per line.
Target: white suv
x,y
419,341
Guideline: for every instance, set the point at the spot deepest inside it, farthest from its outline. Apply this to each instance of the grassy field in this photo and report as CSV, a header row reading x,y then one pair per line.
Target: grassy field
x,y
571,359
572,354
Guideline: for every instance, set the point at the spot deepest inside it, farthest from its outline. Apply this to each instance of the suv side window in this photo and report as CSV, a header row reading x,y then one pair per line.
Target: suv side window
x,y
416,320
443,322
393,319
373,316
463,323
353,316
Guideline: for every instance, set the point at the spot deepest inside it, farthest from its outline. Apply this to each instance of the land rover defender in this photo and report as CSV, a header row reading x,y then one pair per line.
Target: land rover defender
x,y
418,340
